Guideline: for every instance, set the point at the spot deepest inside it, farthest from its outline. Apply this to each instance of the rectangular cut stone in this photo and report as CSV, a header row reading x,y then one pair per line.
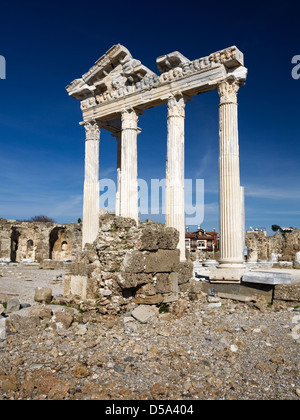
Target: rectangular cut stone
x,y
143,313
76,285
170,297
162,261
226,275
231,296
167,283
173,295
266,277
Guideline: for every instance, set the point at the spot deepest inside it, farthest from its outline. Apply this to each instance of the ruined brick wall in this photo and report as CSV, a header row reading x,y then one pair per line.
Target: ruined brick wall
x,y
39,240
5,238
286,244
128,264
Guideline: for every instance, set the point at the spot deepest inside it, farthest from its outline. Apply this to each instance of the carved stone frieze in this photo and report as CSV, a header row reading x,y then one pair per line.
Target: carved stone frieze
x,y
118,75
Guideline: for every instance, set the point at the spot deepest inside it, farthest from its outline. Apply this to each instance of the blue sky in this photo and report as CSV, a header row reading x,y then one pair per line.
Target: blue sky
x,y
48,44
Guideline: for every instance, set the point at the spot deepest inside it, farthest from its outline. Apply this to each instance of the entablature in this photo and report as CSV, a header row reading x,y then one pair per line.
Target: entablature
x,y
117,81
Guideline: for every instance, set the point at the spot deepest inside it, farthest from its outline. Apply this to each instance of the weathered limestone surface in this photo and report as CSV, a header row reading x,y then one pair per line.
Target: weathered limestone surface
x,y
175,216
37,241
284,245
265,277
229,177
128,264
128,173
91,194
117,80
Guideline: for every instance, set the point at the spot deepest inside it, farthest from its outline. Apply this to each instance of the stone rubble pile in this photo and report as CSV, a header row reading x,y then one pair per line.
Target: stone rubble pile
x,y
212,348
127,265
282,249
134,324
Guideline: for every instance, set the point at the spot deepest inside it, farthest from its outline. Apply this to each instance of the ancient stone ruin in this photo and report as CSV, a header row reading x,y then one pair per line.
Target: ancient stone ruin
x,y
116,90
282,248
39,242
115,261
127,264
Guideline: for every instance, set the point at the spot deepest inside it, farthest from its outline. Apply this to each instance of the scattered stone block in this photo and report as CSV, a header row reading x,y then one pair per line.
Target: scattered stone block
x,y
43,312
13,305
2,328
215,305
178,308
62,319
143,314
43,294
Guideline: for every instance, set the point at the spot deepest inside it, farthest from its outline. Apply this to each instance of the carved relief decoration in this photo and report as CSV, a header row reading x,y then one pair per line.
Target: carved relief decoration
x,y
176,105
117,74
92,130
227,90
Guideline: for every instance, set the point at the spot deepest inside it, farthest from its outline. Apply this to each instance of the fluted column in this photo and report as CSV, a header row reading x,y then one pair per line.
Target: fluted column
x,y
90,222
243,221
128,173
174,197
229,177
118,138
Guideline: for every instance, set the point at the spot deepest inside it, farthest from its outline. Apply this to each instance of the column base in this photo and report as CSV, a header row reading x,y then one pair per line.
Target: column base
x,y
233,274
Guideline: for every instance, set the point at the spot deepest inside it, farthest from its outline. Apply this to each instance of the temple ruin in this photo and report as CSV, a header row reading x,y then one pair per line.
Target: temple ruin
x,y
39,241
112,95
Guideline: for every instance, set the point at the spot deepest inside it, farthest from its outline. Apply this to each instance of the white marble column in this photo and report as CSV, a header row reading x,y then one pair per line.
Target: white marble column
x,y
118,138
243,221
174,198
90,222
128,173
229,177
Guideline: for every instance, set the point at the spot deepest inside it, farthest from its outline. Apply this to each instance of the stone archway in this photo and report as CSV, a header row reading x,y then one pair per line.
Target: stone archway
x,y
15,235
55,242
59,248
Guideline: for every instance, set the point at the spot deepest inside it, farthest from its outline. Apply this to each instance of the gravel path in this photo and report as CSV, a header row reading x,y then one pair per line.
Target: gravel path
x,y
215,350
20,281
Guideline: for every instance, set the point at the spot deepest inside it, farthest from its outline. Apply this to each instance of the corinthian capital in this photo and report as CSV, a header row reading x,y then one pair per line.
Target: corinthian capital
x,y
129,118
228,90
176,105
92,130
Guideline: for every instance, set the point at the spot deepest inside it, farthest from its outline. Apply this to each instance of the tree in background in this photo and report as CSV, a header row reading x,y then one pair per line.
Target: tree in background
x,y
41,218
276,228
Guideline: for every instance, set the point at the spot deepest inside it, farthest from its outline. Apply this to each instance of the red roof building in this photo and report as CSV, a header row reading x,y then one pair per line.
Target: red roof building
x,y
202,240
